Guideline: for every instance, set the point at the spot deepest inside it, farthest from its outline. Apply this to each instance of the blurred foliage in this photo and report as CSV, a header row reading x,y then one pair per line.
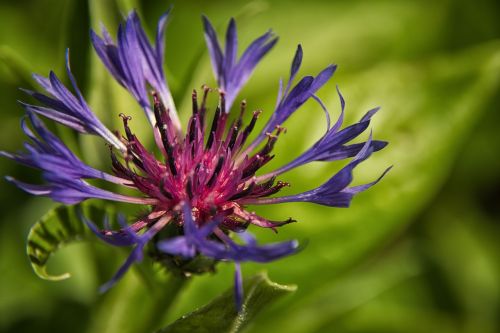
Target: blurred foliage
x,y
417,253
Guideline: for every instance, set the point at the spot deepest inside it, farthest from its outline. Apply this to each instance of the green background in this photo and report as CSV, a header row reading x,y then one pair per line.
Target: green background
x,y
417,253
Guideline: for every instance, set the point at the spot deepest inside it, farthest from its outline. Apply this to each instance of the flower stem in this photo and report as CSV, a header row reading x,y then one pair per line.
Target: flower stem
x,y
162,304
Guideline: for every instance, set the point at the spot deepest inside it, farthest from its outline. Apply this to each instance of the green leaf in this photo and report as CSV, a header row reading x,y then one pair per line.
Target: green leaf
x,y
221,316
57,228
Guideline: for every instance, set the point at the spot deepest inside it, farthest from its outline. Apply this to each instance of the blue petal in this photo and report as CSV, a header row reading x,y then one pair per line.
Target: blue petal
x,y
60,117
214,49
135,256
231,74
238,286
177,246
334,192
44,190
231,45
332,146
291,101
296,62
50,154
67,109
360,188
114,238
196,239
134,62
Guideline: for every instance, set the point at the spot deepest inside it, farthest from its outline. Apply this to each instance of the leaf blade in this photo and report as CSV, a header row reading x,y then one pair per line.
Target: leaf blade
x,y
59,227
221,315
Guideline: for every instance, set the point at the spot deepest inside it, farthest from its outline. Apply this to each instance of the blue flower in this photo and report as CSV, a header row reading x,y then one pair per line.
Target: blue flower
x,y
207,175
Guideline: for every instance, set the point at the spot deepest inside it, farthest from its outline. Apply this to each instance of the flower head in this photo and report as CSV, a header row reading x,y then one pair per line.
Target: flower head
x,y
206,176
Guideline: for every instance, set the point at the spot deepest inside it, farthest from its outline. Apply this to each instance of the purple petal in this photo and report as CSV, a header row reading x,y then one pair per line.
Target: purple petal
x,y
332,146
344,177
67,109
296,62
68,190
195,240
177,246
60,117
360,188
128,56
248,238
64,95
231,45
50,154
151,64
160,36
135,63
322,78
73,83
244,69
369,114
334,192
238,286
44,190
340,120
108,54
230,74
214,49
136,255
114,238
327,115
344,152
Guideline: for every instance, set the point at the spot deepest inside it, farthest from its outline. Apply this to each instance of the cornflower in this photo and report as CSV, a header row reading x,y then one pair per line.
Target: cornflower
x,y
206,176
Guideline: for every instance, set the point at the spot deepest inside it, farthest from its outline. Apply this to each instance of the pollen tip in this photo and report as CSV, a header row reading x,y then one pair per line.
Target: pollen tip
x,y
125,117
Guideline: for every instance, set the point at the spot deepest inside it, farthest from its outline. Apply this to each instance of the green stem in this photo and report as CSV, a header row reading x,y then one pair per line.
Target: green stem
x,y
164,299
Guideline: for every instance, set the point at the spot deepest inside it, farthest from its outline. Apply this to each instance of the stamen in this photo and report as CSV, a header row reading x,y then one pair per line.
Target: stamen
x,y
158,109
168,149
203,107
280,129
217,169
126,119
243,107
162,189
189,188
275,189
118,168
264,186
222,101
243,193
269,145
192,128
215,123
194,98
135,159
250,126
252,166
234,135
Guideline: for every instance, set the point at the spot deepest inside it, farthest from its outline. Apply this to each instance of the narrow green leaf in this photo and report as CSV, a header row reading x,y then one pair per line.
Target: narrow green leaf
x,y
57,228
221,316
